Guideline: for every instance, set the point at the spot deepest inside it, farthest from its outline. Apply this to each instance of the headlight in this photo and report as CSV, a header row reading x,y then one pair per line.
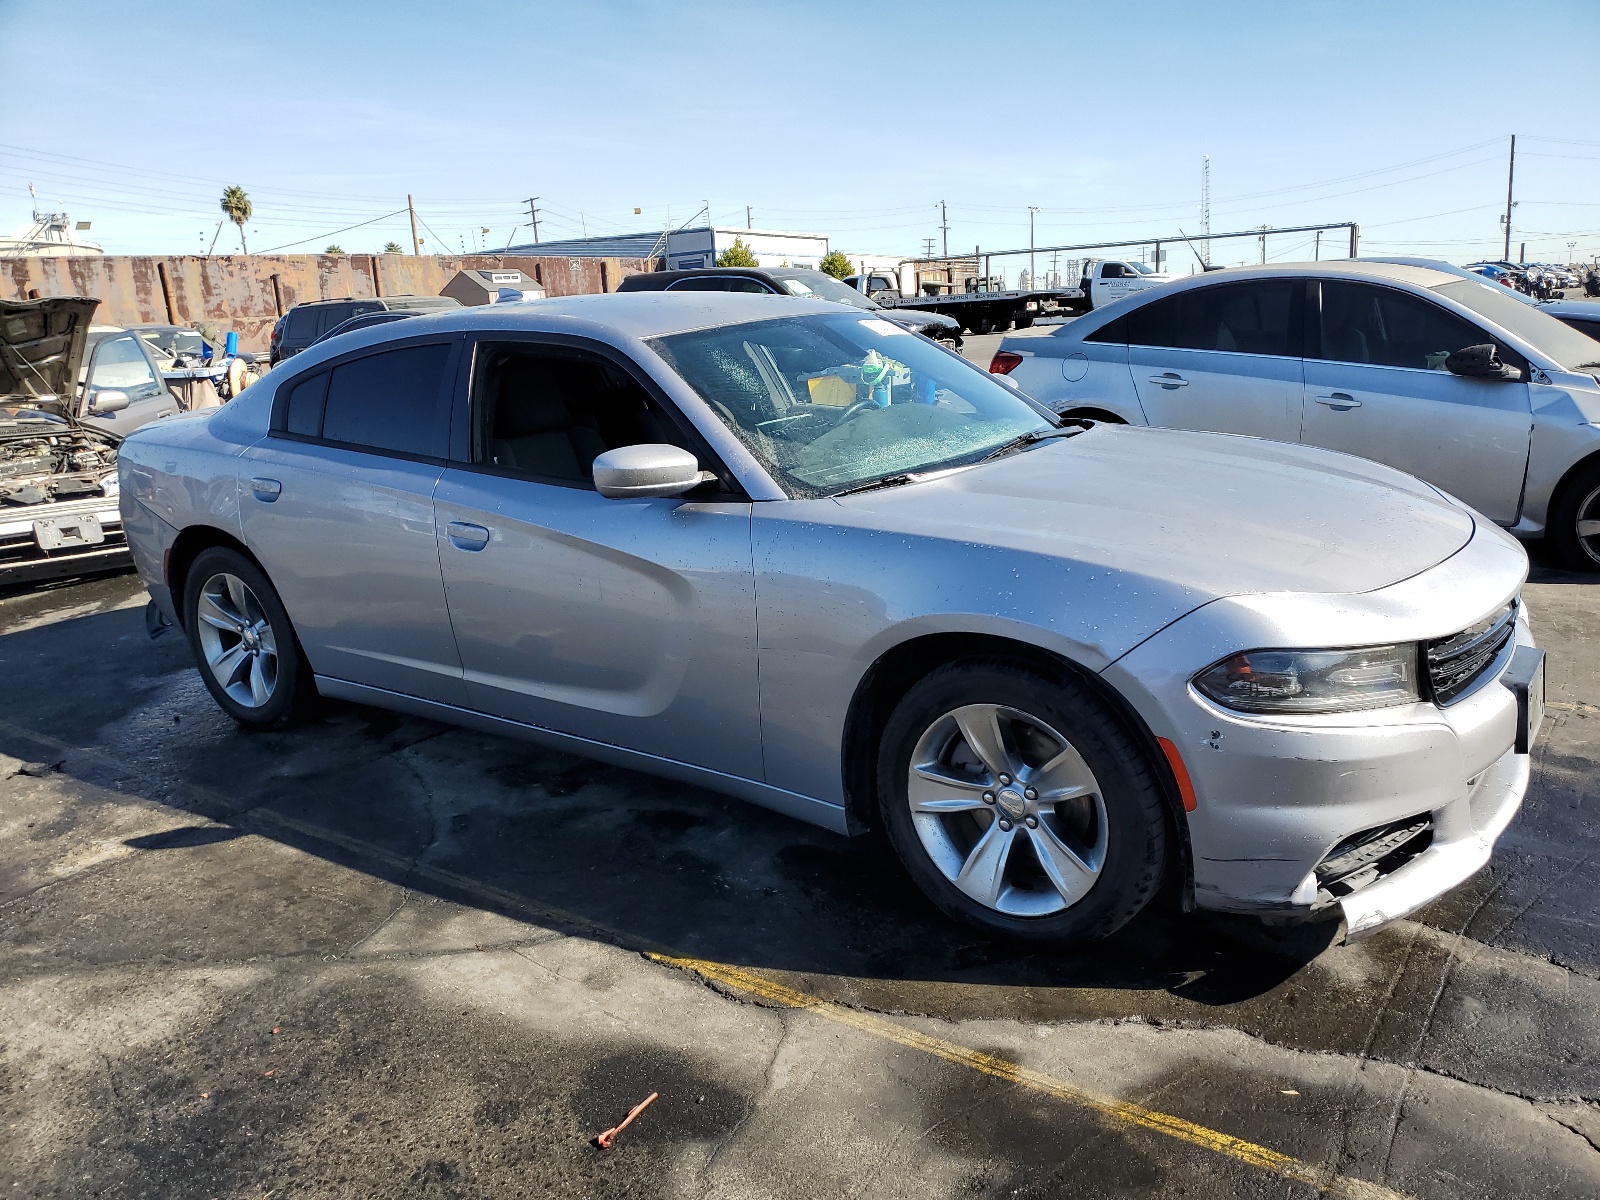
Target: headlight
x,y
1313,681
109,485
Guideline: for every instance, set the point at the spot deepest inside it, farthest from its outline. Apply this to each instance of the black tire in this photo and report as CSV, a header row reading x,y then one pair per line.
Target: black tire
x,y
291,690
1577,500
1024,322
1133,859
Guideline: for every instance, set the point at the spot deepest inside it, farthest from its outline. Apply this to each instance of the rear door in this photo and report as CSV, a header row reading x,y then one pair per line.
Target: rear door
x,y
121,363
1224,358
1376,386
337,504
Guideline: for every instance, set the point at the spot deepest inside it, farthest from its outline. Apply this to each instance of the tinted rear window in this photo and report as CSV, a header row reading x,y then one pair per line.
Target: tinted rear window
x,y
300,325
393,401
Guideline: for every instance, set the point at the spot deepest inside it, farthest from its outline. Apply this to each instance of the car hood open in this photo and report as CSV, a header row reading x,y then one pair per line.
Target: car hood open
x,y
41,350
1211,514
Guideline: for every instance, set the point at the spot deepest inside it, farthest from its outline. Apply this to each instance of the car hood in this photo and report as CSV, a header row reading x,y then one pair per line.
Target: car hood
x,y
41,350
1210,514
919,318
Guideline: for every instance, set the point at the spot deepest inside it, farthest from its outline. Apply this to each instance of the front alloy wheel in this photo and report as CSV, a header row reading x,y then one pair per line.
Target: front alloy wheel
x,y
1020,803
1007,810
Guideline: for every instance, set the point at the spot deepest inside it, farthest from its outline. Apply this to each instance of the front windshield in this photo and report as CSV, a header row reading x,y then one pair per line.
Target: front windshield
x,y
831,402
1573,350
814,285
171,342
1142,269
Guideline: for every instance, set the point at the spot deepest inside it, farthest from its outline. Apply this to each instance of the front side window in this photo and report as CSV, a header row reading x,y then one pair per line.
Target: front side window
x,y
831,402
548,411
1361,323
120,365
395,400
1113,271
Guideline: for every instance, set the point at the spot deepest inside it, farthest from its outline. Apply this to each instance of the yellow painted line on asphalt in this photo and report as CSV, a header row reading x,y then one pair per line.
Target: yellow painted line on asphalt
x,y
1284,1166
1120,1111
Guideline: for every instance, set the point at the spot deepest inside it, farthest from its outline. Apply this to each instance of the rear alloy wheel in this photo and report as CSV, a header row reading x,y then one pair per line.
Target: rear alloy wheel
x,y
1019,805
243,643
1575,520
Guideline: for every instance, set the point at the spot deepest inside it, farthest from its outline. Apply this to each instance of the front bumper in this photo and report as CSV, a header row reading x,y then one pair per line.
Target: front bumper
x,y
1279,797
23,561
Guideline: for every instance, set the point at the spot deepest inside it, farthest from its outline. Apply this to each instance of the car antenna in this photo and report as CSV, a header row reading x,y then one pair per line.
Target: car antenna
x,y
1204,266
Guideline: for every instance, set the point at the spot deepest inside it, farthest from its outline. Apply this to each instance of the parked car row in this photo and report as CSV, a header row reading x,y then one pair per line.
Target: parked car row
x,y
1450,379
789,550
1544,281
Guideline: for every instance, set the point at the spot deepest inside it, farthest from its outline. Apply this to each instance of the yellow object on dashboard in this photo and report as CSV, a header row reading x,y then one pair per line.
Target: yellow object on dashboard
x,y
832,391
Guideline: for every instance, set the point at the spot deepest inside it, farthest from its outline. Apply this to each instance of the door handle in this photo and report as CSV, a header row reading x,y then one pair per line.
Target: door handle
x,y
466,536
1339,401
266,490
1169,380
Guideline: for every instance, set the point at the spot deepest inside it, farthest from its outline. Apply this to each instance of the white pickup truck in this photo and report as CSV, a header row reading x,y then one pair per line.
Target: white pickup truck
x,y
1108,279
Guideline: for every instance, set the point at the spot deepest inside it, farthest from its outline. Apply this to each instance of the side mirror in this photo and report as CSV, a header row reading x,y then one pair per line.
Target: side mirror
x,y
646,470
107,402
1480,362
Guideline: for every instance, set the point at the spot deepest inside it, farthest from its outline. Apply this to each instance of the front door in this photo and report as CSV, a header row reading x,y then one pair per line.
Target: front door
x,y
1224,358
337,504
1376,387
121,364
628,622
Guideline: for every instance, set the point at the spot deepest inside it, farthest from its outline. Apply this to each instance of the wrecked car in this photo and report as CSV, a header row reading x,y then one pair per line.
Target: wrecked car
x,y
58,475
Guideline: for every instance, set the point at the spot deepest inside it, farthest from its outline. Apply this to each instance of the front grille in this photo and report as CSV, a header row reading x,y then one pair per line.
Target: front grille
x,y
1368,856
1456,663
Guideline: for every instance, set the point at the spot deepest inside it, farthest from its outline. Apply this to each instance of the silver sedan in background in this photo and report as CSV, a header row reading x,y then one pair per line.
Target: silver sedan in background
x,y
799,555
1446,377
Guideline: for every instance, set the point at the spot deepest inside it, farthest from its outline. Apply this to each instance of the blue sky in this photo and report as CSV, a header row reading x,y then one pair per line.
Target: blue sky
x,y
850,118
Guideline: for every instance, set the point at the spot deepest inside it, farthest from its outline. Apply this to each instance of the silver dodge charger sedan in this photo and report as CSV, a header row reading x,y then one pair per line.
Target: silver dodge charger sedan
x,y
797,554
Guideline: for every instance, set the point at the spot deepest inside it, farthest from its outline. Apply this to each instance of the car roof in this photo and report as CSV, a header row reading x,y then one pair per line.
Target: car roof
x,y
604,317
1355,268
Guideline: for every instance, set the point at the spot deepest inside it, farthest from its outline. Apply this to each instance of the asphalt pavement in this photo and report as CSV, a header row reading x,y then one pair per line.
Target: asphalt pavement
x,y
377,956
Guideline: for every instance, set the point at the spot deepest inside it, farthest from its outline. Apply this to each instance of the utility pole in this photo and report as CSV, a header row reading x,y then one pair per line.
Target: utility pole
x,y
1264,229
412,209
1205,210
533,218
1031,211
1511,176
927,247
748,223
1318,257
944,228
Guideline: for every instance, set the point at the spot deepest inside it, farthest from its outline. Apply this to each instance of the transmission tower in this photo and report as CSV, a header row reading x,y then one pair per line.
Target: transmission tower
x,y
1205,210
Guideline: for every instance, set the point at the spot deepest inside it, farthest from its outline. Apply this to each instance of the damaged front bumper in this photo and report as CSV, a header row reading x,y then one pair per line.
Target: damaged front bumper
x,y
50,541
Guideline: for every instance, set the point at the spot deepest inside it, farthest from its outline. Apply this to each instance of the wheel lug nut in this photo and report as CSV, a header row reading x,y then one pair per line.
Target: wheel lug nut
x,y
1033,822
1004,779
1031,794
1005,826
988,797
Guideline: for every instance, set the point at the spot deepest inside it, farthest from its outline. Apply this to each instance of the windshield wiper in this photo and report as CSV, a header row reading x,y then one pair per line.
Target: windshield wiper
x,y
886,482
1028,439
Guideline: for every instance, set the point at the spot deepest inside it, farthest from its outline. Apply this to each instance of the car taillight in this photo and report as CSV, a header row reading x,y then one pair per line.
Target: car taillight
x,y
1004,362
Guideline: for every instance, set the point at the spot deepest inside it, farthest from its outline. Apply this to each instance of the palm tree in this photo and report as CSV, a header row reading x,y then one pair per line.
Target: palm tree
x,y
392,248
334,249
237,205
